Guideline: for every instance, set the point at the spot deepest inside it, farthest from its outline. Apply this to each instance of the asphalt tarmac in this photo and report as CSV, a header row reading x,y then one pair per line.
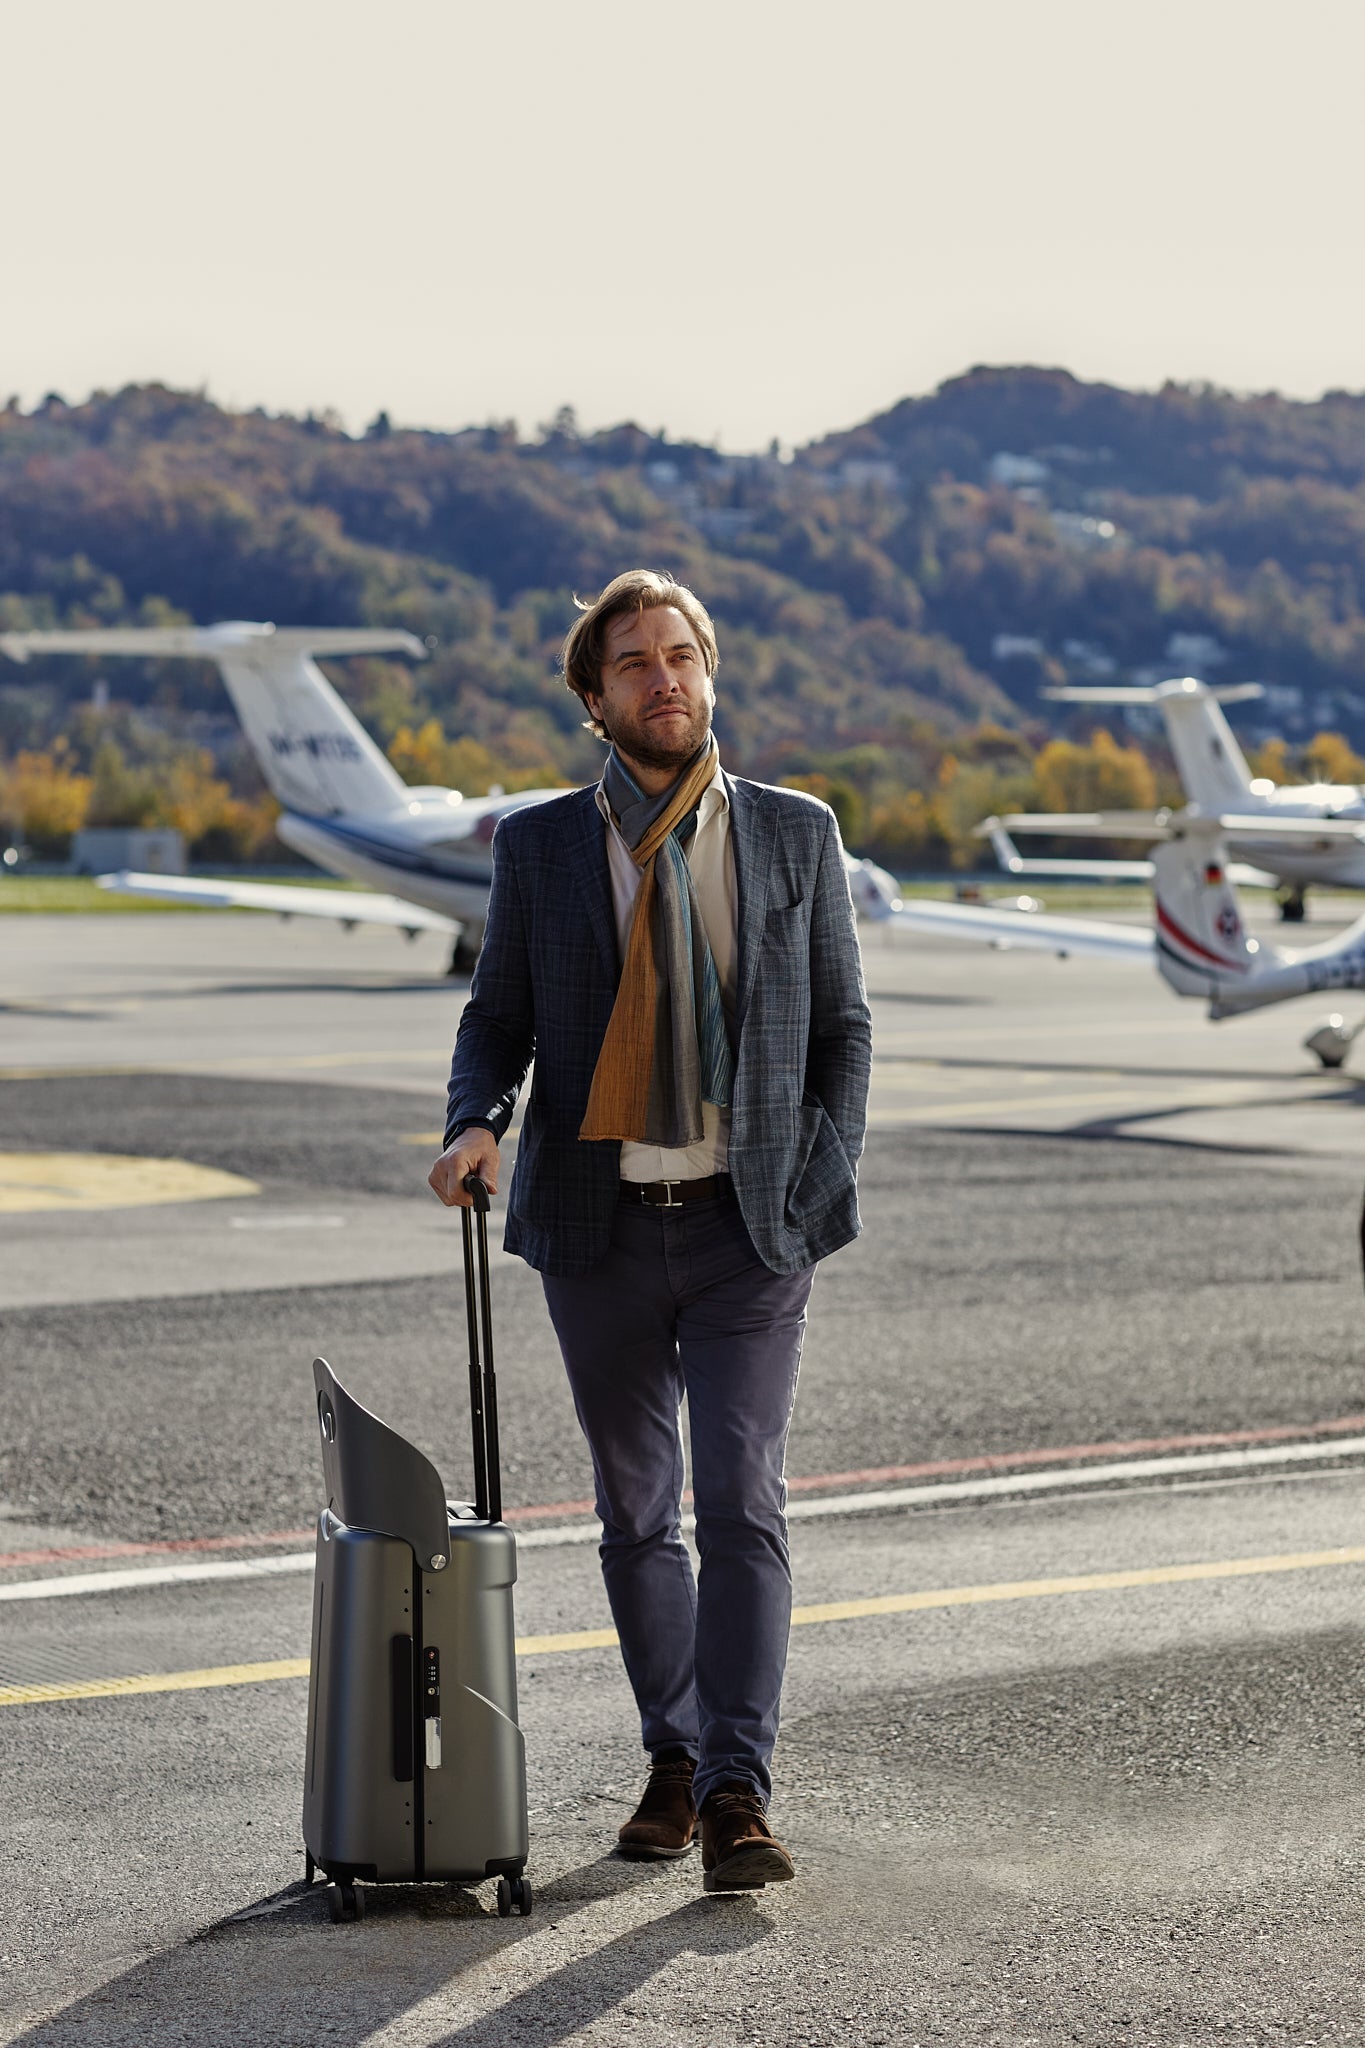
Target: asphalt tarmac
x,y
1071,1748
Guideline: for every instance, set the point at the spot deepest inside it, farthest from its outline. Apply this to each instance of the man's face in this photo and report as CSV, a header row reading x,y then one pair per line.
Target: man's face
x,y
655,698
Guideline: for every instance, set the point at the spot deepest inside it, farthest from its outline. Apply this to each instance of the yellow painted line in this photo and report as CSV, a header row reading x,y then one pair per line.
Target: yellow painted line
x,y
1087,1582
802,1617
109,1180
423,1138
576,1639
156,1681
240,1062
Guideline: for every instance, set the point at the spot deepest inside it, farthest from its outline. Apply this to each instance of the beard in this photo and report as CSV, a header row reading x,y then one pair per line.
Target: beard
x,y
655,744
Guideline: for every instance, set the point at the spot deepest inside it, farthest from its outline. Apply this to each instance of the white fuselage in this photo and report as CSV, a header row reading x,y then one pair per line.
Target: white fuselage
x,y
435,848
1335,864
1330,969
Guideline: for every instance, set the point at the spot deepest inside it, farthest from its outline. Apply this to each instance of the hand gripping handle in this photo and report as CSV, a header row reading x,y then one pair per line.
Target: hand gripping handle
x,y
483,1390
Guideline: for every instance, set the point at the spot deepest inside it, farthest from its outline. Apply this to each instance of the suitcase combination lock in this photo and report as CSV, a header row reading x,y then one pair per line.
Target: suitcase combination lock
x,y
431,1706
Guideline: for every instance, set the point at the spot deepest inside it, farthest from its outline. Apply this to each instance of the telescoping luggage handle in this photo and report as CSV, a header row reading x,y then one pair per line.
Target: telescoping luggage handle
x,y
483,1389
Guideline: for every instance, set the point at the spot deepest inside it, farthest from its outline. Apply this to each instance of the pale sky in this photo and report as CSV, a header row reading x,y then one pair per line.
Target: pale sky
x,y
728,217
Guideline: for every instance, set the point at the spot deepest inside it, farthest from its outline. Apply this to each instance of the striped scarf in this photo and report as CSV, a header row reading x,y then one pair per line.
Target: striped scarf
x,y
666,1049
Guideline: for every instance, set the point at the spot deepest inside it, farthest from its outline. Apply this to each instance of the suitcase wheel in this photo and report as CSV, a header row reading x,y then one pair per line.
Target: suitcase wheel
x,y
516,1892
343,1899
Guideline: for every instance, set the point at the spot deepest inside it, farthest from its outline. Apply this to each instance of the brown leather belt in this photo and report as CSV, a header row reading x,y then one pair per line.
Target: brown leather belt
x,y
671,1194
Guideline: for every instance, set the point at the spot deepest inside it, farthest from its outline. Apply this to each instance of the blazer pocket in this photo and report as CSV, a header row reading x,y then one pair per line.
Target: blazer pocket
x,y
821,1174
786,923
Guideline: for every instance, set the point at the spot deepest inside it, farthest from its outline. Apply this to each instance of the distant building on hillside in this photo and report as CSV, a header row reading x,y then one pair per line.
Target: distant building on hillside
x,y
1014,471
1089,660
861,470
1194,654
1079,530
723,522
103,850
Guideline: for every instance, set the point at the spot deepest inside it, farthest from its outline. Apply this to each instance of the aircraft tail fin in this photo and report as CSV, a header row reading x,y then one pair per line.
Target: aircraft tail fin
x,y
314,753
1212,767
1202,946
873,890
316,756
1003,847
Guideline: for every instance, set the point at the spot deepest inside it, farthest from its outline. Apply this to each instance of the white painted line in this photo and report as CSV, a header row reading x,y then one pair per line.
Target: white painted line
x,y
1078,1475
1052,1480
135,1578
286,1219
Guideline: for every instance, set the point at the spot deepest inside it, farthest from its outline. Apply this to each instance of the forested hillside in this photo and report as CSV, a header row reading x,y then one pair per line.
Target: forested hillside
x,y
891,600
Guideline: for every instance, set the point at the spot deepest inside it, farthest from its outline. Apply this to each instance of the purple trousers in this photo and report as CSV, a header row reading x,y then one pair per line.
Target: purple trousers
x,y
682,1304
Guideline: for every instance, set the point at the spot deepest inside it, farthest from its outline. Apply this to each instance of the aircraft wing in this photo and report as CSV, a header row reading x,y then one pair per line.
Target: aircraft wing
x,y
1081,870
1146,693
1035,931
1154,825
1161,825
1015,863
347,906
213,642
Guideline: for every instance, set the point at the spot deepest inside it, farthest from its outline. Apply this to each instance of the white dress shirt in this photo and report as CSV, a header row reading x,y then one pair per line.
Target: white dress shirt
x,y
711,860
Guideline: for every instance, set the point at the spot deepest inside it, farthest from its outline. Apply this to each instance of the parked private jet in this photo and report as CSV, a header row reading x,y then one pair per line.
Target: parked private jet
x,y
1215,776
1198,937
345,805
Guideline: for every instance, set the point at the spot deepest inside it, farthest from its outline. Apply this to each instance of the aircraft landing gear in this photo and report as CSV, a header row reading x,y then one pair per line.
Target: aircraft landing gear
x,y
1293,905
1332,1041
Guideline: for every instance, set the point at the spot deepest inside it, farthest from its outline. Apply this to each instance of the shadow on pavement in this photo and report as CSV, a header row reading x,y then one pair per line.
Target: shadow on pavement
x,y
571,1998
278,1972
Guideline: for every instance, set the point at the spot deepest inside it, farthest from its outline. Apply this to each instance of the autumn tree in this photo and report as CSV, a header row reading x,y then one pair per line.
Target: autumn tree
x,y
843,799
904,832
425,758
1329,757
43,800
1100,776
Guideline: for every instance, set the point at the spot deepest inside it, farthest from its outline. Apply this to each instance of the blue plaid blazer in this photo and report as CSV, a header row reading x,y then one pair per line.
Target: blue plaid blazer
x,y
544,989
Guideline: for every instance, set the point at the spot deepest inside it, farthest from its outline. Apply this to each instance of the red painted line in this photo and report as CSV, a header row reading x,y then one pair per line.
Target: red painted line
x,y
1173,930
866,1475
74,1553
1004,1461
555,1511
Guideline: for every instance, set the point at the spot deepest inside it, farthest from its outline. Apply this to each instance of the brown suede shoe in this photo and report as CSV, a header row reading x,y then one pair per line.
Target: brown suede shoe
x,y
739,1852
665,1821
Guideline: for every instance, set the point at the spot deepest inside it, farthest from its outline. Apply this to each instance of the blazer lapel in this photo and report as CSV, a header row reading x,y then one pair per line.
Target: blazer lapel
x,y
753,837
585,856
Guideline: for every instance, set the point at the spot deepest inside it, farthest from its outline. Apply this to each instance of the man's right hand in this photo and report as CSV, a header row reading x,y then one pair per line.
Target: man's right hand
x,y
474,1151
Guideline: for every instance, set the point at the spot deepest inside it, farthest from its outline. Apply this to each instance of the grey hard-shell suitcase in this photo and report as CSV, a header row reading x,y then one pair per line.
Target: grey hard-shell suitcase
x,y
415,1767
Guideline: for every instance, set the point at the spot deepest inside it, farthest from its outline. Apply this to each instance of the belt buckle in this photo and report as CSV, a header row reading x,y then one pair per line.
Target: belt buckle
x,y
667,1186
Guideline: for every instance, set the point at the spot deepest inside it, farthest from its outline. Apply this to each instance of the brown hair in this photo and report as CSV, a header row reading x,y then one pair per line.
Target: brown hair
x,y
638,590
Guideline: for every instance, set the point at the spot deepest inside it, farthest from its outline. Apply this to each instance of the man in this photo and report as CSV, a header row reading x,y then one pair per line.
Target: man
x,y
677,950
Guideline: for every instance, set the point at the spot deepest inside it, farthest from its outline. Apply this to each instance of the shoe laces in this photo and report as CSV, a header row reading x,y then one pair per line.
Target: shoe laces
x,y
676,1767
732,1799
